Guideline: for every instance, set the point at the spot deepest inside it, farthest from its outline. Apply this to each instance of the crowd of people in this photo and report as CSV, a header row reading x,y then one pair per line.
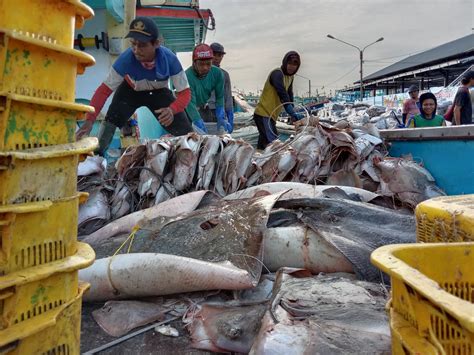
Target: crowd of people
x,y
202,98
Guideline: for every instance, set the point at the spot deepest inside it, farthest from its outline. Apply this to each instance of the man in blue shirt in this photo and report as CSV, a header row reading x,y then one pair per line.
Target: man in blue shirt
x,y
140,77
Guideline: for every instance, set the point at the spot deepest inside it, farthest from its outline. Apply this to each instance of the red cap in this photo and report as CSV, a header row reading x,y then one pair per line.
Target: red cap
x,y
202,51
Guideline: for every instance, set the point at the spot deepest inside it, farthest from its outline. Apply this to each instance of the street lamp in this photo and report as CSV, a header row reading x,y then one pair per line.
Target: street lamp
x,y
309,81
361,57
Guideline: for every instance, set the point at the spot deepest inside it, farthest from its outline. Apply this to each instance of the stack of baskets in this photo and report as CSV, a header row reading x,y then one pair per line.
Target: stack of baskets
x,y
40,294
432,310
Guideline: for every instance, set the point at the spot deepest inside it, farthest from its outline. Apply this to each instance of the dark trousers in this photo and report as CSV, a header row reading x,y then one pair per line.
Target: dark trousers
x,y
208,114
267,131
126,101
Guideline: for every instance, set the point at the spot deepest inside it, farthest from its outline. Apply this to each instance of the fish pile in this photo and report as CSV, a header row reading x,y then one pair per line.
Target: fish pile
x,y
212,262
319,154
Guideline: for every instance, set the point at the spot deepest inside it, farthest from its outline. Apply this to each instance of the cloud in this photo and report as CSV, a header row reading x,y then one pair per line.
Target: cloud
x,y
256,35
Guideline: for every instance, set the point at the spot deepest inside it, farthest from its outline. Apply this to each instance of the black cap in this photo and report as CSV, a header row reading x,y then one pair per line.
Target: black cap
x,y
143,29
217,48
413,88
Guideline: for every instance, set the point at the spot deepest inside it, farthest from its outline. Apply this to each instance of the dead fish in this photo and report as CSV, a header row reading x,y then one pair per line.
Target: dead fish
x,y
287,162
243,157
173,207
354,228
344,178
323,314
297,190
92,165
227,163
300,247
221,327
117,318
219,247
208,161
406,180
186,161
156,159
94,213
121,200
165,192
133,156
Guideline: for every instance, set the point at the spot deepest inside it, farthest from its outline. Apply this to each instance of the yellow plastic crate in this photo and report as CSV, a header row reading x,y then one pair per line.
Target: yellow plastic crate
x,y
433,291
38,233
51,20
445,219
35,68
29,122
31,297
48,173
58,334
405,338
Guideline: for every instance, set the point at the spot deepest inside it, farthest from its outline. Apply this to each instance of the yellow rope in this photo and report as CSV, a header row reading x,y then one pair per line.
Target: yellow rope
x,y
131,237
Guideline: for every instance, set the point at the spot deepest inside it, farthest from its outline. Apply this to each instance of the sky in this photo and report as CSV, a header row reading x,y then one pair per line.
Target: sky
x,y
257,34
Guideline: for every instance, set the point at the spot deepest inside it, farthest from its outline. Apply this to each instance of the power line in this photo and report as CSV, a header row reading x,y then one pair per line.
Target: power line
x,y
341,77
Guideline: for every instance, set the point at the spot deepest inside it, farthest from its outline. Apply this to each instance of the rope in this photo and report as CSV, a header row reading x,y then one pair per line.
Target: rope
x,y
131,237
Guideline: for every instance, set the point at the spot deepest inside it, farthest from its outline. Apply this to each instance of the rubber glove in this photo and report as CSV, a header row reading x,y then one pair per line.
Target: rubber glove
x,y
221,121
230,118
298,116
200,124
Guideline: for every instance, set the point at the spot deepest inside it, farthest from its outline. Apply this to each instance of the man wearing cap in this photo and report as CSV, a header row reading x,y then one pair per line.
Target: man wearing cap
x,y
209,113
277,93
205,78
411,105
140,77
462,101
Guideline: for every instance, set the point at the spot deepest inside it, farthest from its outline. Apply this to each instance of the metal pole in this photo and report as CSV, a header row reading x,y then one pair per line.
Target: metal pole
x,y
309,88
361,74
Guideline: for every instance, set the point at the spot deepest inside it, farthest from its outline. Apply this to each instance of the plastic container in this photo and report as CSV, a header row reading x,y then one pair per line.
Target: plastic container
x,y
30,297
28,122
48,173
52,21
38,233
405,338
35,68
57,333
445,219
432,290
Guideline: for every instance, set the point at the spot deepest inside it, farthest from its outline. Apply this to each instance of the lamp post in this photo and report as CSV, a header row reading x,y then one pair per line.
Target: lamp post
x,y
309,81
361,58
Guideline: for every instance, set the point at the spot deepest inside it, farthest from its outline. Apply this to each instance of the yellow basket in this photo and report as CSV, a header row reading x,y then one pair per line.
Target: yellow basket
x,y
405,338
35,68
51,20
446,219
433,291
38,233
58,334
31,297
48,173
29,122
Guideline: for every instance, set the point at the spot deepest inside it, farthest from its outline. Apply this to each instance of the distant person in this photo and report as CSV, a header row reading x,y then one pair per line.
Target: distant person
x,y
210,114
277,93
427,116
410,106
204,79
140,77
462,101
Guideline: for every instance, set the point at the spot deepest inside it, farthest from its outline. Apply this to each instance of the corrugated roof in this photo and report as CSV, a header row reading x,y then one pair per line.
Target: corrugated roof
x,y
450,50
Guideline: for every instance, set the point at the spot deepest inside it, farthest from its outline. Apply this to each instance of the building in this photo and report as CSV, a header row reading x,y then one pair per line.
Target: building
x,y
438,66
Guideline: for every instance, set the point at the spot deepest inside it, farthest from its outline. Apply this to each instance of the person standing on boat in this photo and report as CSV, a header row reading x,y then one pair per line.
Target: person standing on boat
x,y
140,77
427,116
462,101
204,79
411,106
209,112
276,95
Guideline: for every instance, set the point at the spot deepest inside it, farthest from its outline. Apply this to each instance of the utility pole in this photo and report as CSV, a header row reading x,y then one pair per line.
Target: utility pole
x,y
361,59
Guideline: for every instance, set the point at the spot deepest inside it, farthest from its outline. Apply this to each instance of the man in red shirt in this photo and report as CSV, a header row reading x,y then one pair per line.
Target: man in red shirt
x,y
410,106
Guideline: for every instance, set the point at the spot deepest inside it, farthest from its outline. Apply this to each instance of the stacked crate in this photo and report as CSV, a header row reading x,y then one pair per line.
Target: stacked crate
x,y
40,294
